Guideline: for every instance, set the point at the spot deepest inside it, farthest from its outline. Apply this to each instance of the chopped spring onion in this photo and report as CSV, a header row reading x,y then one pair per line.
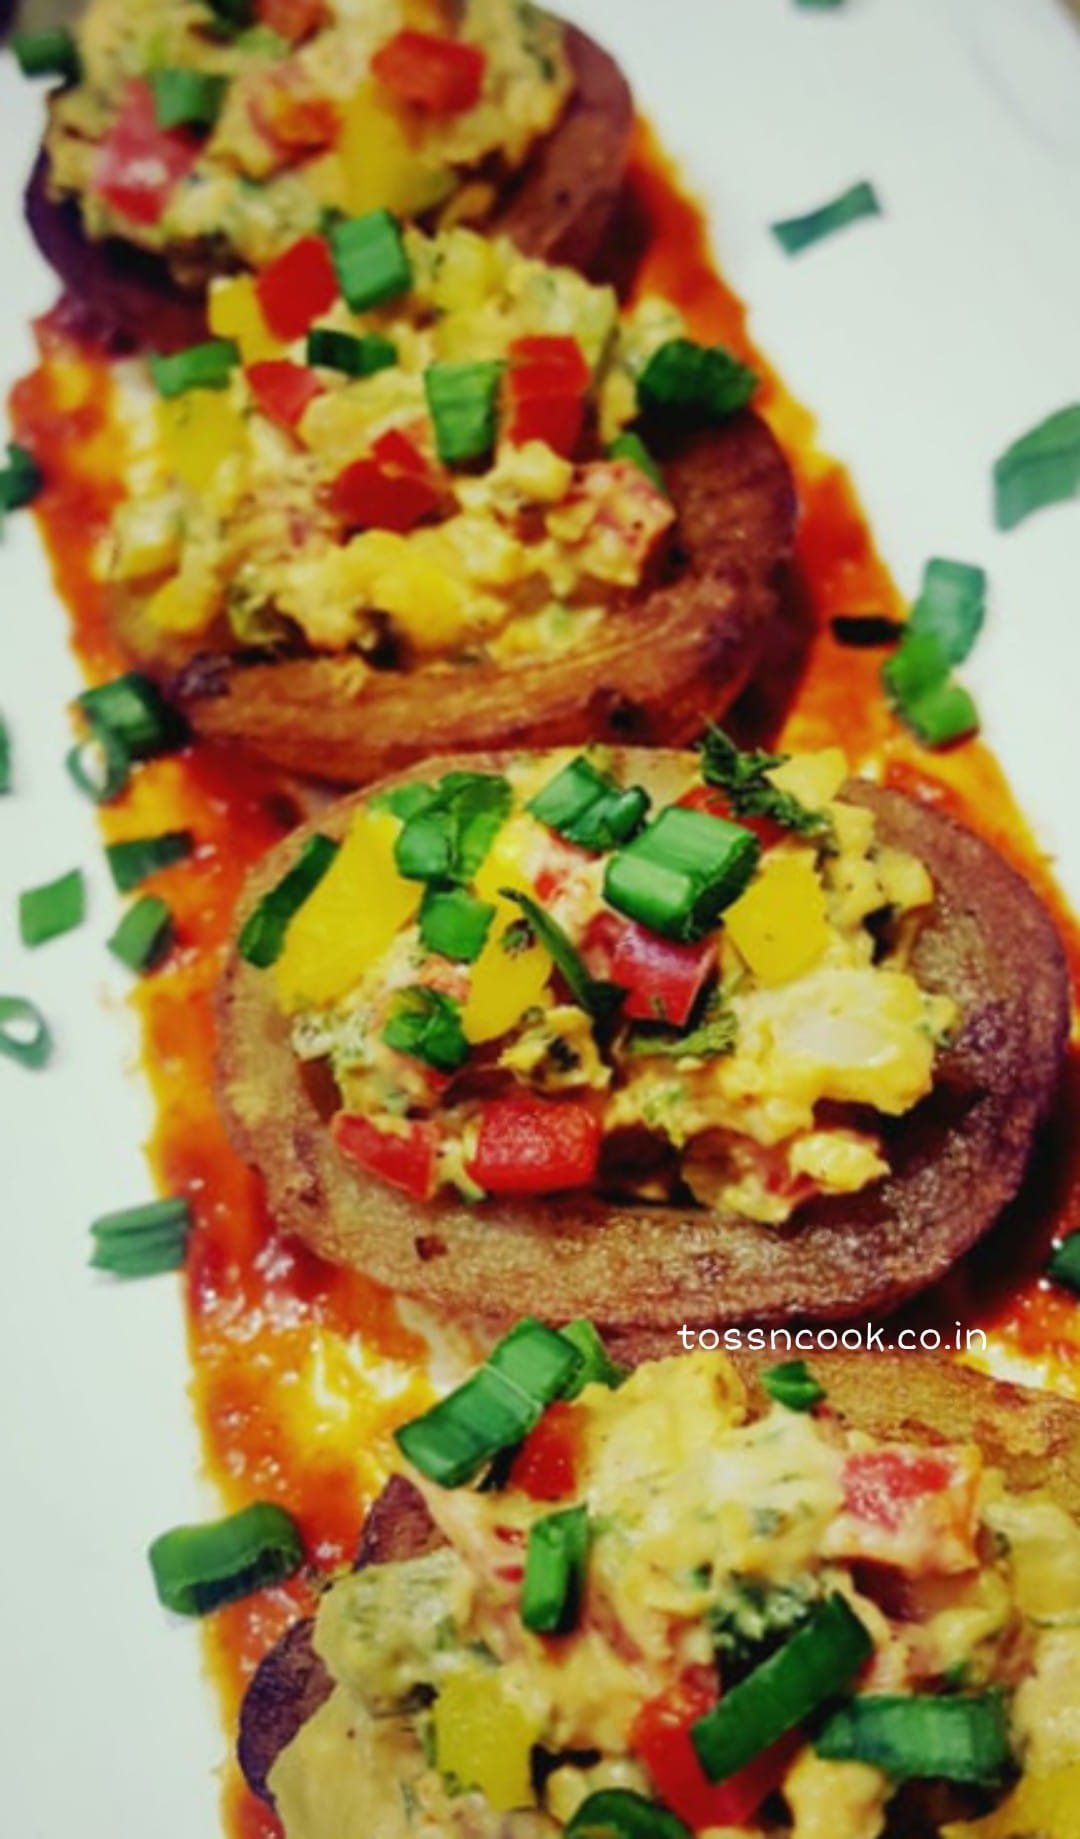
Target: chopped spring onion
x,y
5,757
20,479
262,936
198,1569
454,924
494,1409
1040,469
951,607
1064,1263
144,934
462,399
187,98
201,367
589,808
744,779
679,874
449,828
354,357
48,912
619,1813
132,709
555,1561
797,233
699,380
866,631
100,766
598,998
809,1670
426,1025
25,1035
599,1369
918,685
791,1383
139,857
632,448
47,54
371,260
942,714
921,1738
142,1241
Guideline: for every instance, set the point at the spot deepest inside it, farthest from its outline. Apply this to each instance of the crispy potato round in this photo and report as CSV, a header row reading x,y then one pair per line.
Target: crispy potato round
x,y
955,1161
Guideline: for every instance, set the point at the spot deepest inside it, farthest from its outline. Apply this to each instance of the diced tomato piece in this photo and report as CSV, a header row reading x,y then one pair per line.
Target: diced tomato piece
x,y
532,1145
556,420
440,76
546,1466
711,799
282,390
293,20
543,363
404,1158
292,115
662,978
393,488
296,287
915,1509
546,385
140,164
660,1737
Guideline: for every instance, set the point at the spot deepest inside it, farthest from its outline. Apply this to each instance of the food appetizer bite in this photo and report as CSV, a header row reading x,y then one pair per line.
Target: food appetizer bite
x,y
469,505
192,140
831,1604
658,1037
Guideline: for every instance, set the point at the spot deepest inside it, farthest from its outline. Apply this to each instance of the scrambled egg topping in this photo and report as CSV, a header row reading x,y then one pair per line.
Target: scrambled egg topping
x,y
715,1533
305,124
801,1024
232,532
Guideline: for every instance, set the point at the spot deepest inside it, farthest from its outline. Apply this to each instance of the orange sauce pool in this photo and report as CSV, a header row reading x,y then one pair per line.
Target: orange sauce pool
x,y
300,1372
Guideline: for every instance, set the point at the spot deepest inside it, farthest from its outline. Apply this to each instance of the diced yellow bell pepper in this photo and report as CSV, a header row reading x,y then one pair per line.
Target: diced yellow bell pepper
x,y
235,313
1046,1805
186,604
485,1740
350,920
504,983
382,167
779,925
199,430
394,574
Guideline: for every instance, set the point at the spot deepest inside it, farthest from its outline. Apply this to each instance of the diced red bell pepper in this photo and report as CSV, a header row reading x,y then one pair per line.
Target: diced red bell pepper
x,y
546,1466
660,1737
139,164
296,287
662,978
546,362
439,76
710,798
282,390
533,1145
913,1509
392,488
546,384
404,1158
293,20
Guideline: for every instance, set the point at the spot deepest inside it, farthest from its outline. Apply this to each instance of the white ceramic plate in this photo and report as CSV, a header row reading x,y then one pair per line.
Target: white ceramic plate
x,y
925,342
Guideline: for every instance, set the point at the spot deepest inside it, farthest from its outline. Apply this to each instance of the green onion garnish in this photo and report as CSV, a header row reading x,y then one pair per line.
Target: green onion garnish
x,y
809,1670
454,924
555,1562
791,1383
679,874
426,1025
200,1568
951,608
1040,469
866,631
619,1813
132,709
796,233
100,767
142,1241
589,808
5,757
25,1035
744,779
922,1738
494,1409
262,936
1064,1263
448,828
133,861
20,480
48,912
47,54
632,448
355,357
942,714
200,367
144,934
371,260
695,380
598,998
187,98
598,1369
918,684
463,399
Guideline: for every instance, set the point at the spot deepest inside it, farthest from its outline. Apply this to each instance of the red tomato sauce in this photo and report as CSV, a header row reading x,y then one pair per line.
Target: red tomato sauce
x,y
299,1371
